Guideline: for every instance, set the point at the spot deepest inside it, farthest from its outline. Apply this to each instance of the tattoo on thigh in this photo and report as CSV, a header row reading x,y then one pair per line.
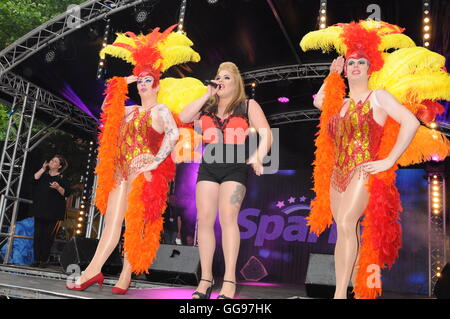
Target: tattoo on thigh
x,y
238,195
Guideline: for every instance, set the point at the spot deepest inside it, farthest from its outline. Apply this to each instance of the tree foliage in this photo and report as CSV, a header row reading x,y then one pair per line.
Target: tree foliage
x,y
18,17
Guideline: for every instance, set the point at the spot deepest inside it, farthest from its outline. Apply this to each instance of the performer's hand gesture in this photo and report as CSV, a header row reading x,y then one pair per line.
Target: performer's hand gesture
x,y
256,165
45,165
376,167
54,185
212,90
337,65
132,78
148,176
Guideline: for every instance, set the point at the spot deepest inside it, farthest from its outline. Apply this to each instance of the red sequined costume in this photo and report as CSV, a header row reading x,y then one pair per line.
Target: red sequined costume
x,y
414,76
138,143
356,138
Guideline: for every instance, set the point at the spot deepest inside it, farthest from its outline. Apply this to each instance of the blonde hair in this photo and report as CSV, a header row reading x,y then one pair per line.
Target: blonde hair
x,y
239,97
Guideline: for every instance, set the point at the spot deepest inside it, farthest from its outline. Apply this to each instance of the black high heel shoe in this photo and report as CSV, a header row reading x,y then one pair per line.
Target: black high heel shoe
x,y
223,296
205,295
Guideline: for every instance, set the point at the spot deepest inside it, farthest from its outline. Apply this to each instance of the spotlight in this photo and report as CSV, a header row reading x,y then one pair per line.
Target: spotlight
x,y
50,56
426,28
427,44
426,36
213,1
322,26
253,84
433,125
141,16
426,20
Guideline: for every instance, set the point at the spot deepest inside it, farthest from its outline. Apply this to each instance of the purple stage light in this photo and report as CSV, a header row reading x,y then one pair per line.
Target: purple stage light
x,y
435,158
283,99
73,98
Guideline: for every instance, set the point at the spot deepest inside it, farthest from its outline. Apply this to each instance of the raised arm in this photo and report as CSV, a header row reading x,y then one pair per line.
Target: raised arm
x,y
191,111
41,171
408,127
336,66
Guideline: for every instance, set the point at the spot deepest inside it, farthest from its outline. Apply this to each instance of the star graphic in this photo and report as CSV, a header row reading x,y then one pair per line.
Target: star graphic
x,y
291,200
280,204
303,199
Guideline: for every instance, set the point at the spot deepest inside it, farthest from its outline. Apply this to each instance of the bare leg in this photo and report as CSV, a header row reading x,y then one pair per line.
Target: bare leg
x,y
231,196
352,204
207,194
111,233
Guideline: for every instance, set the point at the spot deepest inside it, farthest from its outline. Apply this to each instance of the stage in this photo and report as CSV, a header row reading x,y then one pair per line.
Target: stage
x,y
22,282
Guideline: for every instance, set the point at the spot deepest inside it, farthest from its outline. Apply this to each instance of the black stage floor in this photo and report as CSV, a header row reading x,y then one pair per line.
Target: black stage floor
x,y
49,283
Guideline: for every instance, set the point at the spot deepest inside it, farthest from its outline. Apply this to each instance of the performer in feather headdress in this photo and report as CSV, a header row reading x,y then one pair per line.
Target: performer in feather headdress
x,y
135,143
363,138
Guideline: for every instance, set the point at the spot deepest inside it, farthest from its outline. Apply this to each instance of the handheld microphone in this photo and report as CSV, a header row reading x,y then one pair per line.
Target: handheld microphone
x,y
213,84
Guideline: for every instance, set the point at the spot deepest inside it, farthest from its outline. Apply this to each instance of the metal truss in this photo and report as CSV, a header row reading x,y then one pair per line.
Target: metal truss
x,y
445,128
294,117
28,99
12,163
288,72
54,106
75,17
93,215
437,233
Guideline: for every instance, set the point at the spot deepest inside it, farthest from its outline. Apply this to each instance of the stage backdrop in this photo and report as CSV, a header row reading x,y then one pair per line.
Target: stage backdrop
x,y
275,240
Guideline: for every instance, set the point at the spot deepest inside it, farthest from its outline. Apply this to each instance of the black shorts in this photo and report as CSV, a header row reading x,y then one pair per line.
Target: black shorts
x,y
223,172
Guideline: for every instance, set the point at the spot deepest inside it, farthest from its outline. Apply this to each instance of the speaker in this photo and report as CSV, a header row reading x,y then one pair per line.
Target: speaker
x,y
176,264
320,277
81,250
442,287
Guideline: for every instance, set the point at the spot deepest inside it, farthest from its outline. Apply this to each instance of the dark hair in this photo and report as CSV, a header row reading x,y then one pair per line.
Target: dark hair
x,y
62,162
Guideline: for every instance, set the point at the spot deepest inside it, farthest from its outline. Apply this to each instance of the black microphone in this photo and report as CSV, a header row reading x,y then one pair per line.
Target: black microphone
x,y
213,84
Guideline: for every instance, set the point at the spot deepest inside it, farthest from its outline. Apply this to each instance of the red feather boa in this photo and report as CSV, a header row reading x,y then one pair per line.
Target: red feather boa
x,y
147,200
381,236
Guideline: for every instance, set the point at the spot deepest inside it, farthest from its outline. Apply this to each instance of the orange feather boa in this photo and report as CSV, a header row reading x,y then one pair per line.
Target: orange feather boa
x,y
146,200
381,236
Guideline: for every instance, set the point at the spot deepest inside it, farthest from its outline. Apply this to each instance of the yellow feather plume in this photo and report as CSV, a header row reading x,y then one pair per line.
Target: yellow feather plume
x,y
177,55
176,49
117,52
325,39
425,144
412,75
395,41
177,93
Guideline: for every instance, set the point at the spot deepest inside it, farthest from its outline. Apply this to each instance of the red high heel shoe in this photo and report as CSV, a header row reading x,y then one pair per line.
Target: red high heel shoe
x,y
96,279
120,291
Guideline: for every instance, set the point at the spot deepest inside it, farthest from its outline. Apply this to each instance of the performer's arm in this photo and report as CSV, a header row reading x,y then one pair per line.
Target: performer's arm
x,y
336,66
191,112
39,173
408,127
259,122
170,138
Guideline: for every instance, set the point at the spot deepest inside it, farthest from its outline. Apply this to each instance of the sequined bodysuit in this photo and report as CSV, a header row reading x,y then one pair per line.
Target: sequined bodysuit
x,y
138,143
356,138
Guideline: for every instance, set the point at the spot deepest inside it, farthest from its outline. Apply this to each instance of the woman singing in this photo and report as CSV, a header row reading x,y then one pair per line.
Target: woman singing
x,y
225,116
